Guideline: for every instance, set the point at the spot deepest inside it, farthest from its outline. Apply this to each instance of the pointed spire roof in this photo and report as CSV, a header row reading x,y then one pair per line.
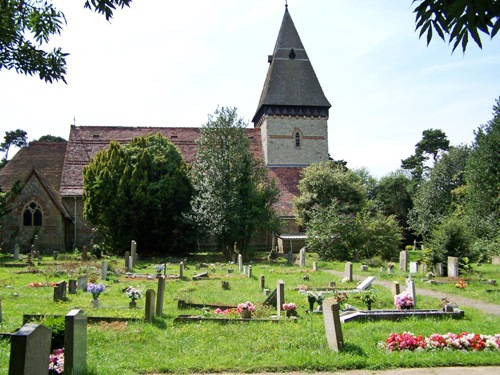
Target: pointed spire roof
x,y
291,86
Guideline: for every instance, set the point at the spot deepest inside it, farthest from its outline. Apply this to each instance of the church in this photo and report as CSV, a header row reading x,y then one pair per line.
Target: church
x,y
290,132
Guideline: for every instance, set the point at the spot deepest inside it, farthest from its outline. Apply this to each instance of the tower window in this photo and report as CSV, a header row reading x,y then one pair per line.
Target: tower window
x,y
32,215
297,139
291,55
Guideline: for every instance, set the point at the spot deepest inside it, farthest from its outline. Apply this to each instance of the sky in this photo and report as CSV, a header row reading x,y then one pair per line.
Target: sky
x,y
166,63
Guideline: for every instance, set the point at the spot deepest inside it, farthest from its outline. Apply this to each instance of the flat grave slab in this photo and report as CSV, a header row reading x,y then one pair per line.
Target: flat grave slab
x,y
369,315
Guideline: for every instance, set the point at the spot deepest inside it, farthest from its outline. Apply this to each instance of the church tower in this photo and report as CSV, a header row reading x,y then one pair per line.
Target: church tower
x,y
293,111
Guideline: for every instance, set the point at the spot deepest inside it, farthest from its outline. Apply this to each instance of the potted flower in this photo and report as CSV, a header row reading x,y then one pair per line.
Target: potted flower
x,y
134,295
96,290
246,309
403,301
159,270
56,362
368,297
341,297
313,298
290,309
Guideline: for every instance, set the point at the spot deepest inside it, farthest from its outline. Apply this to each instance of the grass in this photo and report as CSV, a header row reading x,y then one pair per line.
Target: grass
x,y
205,346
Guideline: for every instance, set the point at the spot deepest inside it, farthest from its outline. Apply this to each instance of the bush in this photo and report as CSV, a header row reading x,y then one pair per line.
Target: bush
x,y
56,324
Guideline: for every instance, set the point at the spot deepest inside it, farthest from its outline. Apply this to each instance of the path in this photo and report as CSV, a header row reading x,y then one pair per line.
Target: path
x,y
489,308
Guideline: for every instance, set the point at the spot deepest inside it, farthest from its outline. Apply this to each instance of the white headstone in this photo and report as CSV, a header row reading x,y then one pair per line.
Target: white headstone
x,y
452,267
365,284
403,260
302,261
410,288
413,267
133,252
240,263
280,296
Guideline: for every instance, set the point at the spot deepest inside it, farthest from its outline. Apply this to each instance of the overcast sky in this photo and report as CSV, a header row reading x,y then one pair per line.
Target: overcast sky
x,y
166,63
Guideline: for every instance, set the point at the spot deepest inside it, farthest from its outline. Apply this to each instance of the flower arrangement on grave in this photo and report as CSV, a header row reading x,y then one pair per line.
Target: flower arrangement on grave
x,y
56,362
159,269
368,297
464,341
289,306
312,298
133,293
390,265
95,289
246,309
39,284
403,301
461,284
229,312
341,298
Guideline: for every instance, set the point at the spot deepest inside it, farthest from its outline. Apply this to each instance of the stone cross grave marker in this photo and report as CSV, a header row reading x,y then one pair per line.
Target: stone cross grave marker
x,y
403,260
452,267
161,295
280,296
30,350
333,328
75,342
348,271
150,305
17,249
365,284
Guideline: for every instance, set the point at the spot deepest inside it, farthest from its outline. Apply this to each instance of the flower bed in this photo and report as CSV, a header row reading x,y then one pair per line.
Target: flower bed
x,y
450,341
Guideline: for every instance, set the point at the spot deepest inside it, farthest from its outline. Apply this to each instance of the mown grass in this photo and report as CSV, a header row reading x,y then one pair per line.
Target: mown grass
x,y
168,347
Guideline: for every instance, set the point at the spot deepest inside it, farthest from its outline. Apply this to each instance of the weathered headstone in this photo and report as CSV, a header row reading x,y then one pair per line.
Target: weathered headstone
x,y
302,259
410,288
127,255
267,292
30,350
280,296
262,282
333,328
133,252
271,299
17,250
250,272
130,263
72,287
495,260
245,269
75,342
315,266
452,267
403,260
348,271
104,270
82,283
240,263
395,288
365,284
60,291
413,267
181,270
150,305
363,268
439,269
290,257
161,295
84,253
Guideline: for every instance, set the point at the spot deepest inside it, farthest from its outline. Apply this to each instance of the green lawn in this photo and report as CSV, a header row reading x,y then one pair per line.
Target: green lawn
x,y
205,346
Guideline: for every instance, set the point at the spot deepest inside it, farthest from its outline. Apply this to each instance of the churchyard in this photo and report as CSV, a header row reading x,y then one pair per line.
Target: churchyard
x,y
197,327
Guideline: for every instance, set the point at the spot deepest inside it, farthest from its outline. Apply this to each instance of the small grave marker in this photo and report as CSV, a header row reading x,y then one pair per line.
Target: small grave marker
x,y
410,288
403,260
30,350
315,266
127,254
84,253
495,260
60,291
395,288
413,267
17,250
161,295
333,328
240,263
262,282
133,252
280,296
249,272
104,270
452,267
72,286
82,283
302,259
75,342
363,268
366,283
150,305
348,271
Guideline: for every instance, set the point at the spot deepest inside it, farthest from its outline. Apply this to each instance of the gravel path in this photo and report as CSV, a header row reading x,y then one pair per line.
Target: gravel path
x,y
489,308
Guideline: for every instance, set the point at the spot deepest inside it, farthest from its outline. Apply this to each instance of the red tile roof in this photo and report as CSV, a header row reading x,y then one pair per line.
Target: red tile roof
x,y
287,179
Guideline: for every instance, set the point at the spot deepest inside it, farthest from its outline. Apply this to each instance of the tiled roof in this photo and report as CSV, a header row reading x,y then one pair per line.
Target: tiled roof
x,y
86,141
291,86
287,179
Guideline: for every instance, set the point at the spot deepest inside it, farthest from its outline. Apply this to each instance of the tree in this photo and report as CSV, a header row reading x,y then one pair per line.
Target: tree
x,y
456,20
234,195
50,138
17,138
139,192
26,26
6,197
323,182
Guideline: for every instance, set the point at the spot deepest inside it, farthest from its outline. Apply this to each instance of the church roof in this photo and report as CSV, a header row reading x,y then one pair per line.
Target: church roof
x,y
291,86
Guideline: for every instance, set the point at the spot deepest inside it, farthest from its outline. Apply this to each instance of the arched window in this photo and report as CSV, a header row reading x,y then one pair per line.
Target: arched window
x,y
32,215
297,139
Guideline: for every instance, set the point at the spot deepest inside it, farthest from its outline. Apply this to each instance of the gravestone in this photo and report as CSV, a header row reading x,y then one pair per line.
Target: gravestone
x,y
181,270
410,288
249,272
240,263
413,267
75,342
82,283
150,305
1,316
403,260
315,266
161,295
366,283
30,350
302,259
348,271
333,328
230,270
60,291
84,253
290,257
271,299
245,269
280,296
439,269
262,282
395,288
267,292
72,287
133,252
104,270
495,260
30,259
363,268
452,267
130,265
17,250
127,255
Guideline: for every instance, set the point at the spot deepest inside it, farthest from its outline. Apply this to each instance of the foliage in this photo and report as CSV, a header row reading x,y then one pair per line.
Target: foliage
x,y
56,325
456,20
6,198
17,138
368,296
56,362
381,235
50,138
233,193
323,183
27,26
139,192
